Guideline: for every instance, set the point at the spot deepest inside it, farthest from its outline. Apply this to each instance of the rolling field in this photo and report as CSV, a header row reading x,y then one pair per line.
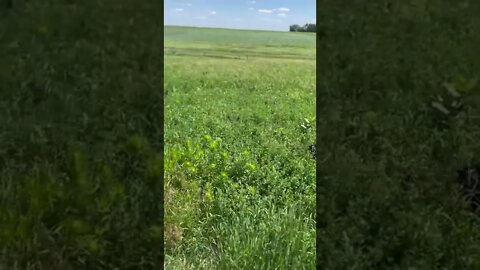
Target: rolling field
x,y
238,44
239,176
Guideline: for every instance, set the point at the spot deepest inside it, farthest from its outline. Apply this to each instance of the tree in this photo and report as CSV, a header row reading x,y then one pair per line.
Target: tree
x,y
310,27
294,28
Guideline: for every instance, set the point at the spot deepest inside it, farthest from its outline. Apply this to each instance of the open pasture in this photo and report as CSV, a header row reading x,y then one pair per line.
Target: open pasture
x,y
239,120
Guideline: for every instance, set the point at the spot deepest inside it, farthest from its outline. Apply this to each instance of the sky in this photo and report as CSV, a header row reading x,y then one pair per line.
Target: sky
x,y
240,14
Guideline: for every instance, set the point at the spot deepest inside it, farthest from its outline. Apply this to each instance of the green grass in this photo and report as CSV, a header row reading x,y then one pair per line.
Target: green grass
x,y
239,186
250,38
80,128
388,197
238,44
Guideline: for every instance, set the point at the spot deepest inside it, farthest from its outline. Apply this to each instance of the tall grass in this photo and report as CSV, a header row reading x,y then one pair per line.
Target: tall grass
x,y
388,197
81,135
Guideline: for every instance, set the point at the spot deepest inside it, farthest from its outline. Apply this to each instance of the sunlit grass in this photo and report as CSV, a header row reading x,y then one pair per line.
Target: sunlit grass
x,y
239,176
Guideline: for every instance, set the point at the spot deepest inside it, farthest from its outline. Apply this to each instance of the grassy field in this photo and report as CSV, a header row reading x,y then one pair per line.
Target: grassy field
x,y
81,127
239,177
388,160
80,135
238,44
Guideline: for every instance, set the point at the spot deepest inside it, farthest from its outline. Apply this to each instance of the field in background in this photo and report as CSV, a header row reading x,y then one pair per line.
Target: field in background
x,y
240,180
238,44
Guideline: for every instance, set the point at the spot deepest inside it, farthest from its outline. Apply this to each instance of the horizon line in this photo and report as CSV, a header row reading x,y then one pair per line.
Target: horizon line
x,y
240,29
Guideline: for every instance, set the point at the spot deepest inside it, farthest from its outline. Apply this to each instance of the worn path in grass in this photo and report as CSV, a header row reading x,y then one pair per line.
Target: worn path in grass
x,y
239,185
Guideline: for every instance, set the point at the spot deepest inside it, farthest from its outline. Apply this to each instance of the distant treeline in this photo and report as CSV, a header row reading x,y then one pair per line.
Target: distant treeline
x,y
309,27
